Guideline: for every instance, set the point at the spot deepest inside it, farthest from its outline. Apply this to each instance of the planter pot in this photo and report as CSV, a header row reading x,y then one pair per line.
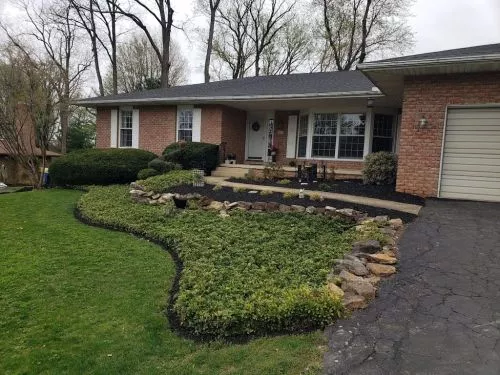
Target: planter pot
x,y
180,203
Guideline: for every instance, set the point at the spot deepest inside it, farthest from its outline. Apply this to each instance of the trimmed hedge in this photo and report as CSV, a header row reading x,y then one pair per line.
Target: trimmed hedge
x,y
99,166
193,155
163,183
244,275
380,168
163,166
146,173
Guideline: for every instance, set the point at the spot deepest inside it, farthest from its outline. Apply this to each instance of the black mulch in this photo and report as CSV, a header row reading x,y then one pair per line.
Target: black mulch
x,y
351,187
227,194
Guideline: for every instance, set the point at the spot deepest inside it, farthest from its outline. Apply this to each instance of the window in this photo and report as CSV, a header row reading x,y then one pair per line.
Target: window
x,y
302,136
324,140
383,133
126,128
185,125
352,136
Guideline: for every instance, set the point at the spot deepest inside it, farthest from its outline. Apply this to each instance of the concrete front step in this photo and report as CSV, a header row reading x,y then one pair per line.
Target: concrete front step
x,y
233,171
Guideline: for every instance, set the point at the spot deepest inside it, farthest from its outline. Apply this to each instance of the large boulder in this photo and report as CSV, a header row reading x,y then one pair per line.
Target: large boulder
x,y
357,268
362,287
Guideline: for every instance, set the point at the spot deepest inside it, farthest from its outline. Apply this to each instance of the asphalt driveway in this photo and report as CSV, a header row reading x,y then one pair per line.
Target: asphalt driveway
x,y
441,313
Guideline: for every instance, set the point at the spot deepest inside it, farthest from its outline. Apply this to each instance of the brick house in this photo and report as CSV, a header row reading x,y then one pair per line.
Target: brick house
x,y
440,112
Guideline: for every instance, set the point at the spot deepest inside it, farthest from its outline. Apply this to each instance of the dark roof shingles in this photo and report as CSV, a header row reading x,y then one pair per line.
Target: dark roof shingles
x,y
293,84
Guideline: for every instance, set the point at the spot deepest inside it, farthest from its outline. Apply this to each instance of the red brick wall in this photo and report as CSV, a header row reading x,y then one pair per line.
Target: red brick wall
x,y
234,132
157,127
420,149
103,127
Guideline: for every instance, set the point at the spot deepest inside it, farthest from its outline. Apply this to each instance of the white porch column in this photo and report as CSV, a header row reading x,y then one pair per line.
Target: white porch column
x,y
368,132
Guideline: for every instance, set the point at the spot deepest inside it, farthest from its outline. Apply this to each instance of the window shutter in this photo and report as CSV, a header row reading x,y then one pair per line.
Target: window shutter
x,y
135,128
114,129
197,125
291,137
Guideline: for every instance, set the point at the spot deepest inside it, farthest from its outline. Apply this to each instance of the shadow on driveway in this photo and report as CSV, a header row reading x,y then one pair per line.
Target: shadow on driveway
x,y
441,313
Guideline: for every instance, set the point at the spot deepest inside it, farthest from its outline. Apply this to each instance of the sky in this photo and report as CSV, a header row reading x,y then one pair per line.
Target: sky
x,y
437,24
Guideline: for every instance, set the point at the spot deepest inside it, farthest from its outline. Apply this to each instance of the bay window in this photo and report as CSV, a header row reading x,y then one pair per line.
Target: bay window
x,y
352,136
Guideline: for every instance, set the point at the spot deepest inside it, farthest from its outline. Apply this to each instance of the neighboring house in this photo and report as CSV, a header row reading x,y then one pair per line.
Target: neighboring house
x,y
440,112
16,174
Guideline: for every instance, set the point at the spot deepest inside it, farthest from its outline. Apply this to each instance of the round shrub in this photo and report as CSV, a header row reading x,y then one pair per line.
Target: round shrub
x,y
380,168
193,155
146,173
99,166
163,166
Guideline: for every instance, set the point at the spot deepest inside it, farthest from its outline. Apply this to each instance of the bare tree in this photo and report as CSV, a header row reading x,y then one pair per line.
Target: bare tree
x,y
213,6
99,19
355,29
289,51
54,30
232,43
28,119
268,18
139,68
162,12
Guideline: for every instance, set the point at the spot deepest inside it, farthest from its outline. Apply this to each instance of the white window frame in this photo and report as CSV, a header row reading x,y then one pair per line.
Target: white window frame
x,y
120,127
310,133
181,109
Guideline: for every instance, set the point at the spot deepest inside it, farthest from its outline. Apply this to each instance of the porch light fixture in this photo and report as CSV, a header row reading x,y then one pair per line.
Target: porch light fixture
x,y
370,102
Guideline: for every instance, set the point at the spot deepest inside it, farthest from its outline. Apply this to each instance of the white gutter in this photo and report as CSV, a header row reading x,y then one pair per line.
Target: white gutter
x,y
205,99
428,62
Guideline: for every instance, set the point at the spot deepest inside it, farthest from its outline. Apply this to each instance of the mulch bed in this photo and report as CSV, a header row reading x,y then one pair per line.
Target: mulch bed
x,y
351,187
227,194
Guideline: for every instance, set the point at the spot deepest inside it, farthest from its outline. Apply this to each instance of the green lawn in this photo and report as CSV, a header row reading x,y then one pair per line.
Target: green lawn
x,y
76,299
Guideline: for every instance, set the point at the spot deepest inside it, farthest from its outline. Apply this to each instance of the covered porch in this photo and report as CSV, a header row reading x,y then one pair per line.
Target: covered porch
x,y
335,134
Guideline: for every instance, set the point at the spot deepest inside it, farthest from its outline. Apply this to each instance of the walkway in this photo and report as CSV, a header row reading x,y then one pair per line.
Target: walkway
x,y
390,205
441,313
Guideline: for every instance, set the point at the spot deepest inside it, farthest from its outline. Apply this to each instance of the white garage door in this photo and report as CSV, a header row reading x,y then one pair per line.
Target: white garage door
x,y
471,156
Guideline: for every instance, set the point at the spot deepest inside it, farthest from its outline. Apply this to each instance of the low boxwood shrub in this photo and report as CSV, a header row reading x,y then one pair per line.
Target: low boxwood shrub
x,y
380,168
146,173
99,166
191,155
163,166
164,182
243,275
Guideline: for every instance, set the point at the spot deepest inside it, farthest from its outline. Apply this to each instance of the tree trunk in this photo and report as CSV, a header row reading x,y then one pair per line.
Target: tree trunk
x,y
209,46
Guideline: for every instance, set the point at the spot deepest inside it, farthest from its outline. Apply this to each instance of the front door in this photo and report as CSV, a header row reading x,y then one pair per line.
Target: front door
x,y
256,136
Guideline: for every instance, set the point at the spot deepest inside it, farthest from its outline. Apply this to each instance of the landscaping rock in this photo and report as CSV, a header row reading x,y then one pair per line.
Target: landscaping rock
x,y
149,194
368,246
381,269
335,290
347,276
311,210
284,208
396,223
156,196
381,219
389,250
167,196
329,208
362,287
320,210
388,231
253,192
272,207
297,208
136,192
216,205
259,206
230,206
205,201
152,202
141,200
382,258
353,301
357,268
244,205
136,186
374,280
346,211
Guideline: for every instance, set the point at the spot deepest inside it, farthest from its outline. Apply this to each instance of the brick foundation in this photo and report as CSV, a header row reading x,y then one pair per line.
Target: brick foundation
x,y
420,149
